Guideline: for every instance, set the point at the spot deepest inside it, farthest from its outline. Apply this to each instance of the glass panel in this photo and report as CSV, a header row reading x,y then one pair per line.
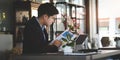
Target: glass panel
x,y
34,12
80,12
62,0
44,1
79,2
68,11
82,26
61,17
73,12
4,25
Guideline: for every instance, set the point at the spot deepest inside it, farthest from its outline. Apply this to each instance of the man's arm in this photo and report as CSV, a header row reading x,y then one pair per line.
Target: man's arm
x,y
54,47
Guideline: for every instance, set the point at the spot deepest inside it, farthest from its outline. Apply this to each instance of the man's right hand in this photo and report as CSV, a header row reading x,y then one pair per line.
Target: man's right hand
x,y
57,43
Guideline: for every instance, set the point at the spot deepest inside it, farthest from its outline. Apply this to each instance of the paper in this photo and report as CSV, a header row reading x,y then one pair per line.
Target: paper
x,y
64,35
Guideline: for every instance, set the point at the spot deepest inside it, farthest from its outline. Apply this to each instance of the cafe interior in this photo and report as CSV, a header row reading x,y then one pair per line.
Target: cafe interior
x,y
92,29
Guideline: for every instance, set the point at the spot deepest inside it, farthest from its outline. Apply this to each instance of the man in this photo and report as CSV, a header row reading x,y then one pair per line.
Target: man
x,y
35,34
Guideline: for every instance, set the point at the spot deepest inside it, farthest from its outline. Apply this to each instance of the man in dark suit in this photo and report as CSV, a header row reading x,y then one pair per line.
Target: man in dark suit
x,y
35,34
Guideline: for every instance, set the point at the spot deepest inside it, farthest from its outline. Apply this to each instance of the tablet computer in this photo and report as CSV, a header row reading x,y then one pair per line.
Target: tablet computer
x,y
81,39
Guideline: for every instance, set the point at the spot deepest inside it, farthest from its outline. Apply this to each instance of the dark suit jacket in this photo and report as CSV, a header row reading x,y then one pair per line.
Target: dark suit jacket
x,y
34,40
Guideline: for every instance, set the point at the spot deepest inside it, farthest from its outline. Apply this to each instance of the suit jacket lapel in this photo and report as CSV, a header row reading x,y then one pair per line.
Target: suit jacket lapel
x,y
40,28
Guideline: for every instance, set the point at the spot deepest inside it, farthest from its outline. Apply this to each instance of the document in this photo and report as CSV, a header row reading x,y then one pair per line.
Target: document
x,y
64,35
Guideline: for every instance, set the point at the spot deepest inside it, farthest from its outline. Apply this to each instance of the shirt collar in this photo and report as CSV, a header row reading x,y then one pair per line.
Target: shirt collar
x,y
42,26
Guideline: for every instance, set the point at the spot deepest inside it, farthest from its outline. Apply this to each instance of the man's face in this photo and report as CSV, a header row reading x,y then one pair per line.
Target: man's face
x,y
49,20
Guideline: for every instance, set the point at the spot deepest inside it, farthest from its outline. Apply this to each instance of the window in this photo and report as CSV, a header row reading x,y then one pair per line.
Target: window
x,y
109,18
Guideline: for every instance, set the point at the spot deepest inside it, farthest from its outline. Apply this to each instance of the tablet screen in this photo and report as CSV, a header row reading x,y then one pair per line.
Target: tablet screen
x,y
81,39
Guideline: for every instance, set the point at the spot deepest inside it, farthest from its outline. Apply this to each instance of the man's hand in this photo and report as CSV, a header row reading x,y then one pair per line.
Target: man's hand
x,y
57,43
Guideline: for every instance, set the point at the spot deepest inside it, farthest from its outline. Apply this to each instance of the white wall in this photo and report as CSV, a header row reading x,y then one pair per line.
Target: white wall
x,y
6,42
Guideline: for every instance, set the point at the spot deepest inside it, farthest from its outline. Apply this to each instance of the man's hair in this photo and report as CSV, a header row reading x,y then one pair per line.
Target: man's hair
x,y
47,8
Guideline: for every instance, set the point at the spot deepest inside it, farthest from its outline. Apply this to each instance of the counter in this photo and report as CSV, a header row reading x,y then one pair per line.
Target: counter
x,y
60,56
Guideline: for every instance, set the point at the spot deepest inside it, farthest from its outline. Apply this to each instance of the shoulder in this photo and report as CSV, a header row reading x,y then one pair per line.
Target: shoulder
x,y
32,21
32,24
